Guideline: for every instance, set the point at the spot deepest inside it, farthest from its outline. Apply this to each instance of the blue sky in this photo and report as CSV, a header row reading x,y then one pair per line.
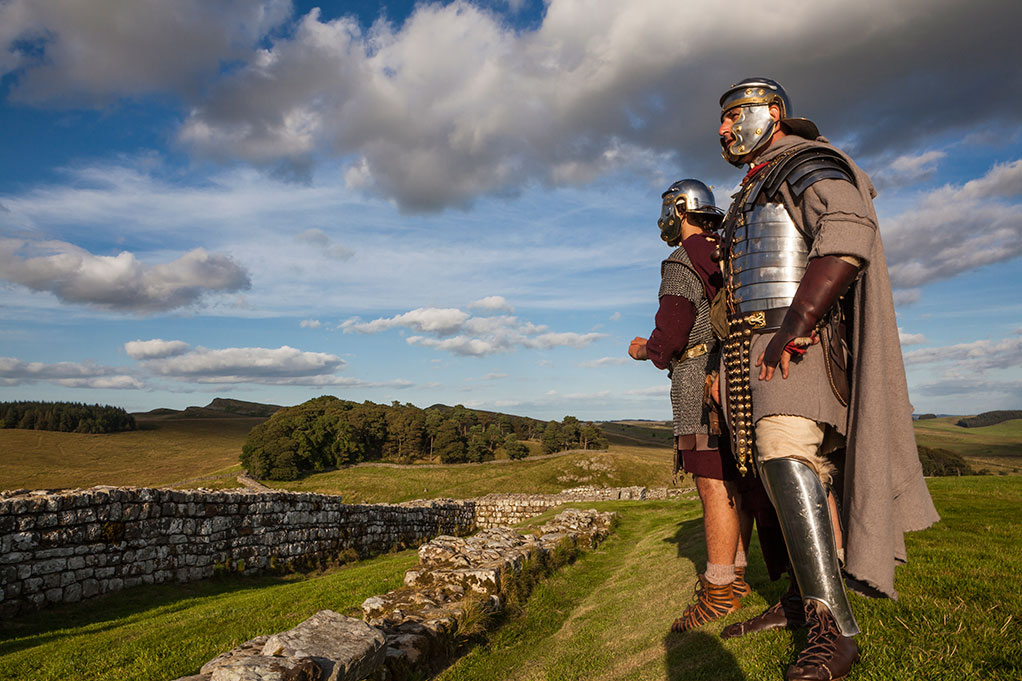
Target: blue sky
x,y
456,202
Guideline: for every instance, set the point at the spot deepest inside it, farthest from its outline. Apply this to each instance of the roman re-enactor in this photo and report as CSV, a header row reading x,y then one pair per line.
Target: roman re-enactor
x,y
683,342
807,291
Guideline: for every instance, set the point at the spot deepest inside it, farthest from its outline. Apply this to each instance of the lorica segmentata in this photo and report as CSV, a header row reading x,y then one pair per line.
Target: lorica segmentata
x,y
768,257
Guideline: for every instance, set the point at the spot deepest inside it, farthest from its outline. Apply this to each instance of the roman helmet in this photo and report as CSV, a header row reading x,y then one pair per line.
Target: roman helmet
x,y
754,127
687,196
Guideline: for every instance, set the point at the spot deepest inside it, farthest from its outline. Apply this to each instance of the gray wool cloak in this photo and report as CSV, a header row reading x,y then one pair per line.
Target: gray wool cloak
x,y
884,494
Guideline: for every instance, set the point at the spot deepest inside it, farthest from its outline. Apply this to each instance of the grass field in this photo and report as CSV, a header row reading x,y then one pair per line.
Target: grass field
x,y
621,466
160,452
194,452
606,617
997,448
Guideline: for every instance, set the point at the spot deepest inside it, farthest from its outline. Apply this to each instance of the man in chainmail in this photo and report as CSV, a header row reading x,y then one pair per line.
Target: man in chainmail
x,y
683,342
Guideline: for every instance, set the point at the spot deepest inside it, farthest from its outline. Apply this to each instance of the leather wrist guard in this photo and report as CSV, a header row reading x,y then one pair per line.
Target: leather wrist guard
x,y
825,280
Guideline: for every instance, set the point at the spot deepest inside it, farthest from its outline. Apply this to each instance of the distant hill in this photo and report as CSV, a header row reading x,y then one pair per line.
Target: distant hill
x,y
989,418
219,408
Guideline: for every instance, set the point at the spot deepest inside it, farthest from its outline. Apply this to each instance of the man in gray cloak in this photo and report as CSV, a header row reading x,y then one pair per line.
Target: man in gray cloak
x,y
806,290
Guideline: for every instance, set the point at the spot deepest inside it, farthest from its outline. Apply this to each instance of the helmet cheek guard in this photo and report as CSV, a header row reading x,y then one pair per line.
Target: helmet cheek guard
x,y
686,197
750,132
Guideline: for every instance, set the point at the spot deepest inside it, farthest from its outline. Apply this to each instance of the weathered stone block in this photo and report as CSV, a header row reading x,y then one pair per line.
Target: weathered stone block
x,y
345,648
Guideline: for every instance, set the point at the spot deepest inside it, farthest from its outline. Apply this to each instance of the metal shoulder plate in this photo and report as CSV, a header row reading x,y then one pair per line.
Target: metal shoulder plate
x,y
806,167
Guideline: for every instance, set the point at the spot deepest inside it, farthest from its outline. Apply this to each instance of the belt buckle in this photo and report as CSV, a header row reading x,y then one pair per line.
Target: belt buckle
x,y
756,320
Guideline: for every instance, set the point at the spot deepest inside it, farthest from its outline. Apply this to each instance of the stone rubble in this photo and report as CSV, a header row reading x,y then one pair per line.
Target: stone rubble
x,y
412,631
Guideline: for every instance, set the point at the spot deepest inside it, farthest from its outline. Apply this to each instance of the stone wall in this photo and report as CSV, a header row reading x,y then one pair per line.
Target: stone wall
x,y
411,632
62,547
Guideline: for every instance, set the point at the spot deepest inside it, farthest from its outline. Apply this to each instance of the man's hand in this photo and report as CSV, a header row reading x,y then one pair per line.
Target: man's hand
x,y
637,348
766,371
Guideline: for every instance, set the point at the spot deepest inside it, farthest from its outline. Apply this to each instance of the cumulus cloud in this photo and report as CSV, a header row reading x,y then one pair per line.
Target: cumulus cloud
x,y
120,283
156,348
248,365
957,228
68,374
595,87
910,338
441,321
325,245
310,324
455,331
103,49
603,362
491,303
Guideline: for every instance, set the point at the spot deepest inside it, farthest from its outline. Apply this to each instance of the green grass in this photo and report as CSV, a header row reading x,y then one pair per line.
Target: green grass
x,y
167,631
997,448
160,452
607,616
604,617
618,467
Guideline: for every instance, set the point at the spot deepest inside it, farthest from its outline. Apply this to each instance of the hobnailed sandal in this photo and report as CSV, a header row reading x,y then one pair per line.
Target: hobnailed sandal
x,y
740,587
828,656
712,602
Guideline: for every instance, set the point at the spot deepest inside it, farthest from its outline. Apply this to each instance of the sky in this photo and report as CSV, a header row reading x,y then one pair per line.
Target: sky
x,y
456,202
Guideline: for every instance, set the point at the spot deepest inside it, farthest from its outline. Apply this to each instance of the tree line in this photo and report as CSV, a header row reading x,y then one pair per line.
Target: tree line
x,y
66,417
328,432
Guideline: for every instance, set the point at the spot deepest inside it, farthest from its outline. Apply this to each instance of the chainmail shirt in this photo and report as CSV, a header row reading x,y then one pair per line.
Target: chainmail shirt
x,y
678,278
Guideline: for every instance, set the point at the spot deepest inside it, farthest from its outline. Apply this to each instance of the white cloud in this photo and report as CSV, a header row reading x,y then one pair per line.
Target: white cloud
x,y
494,376
156,348
460,333
604,361
100,50
492,303
69,374
956,229
974,357
120,283
310,324
663,390
249,365
441,321
615,317
592,90
910,338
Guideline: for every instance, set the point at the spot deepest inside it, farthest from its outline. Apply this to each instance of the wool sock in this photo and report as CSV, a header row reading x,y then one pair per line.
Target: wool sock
x,y
720,574
741,560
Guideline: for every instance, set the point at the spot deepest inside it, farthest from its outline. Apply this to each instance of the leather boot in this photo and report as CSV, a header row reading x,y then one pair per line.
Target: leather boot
x,y
740,586
786,613
828,656
712,601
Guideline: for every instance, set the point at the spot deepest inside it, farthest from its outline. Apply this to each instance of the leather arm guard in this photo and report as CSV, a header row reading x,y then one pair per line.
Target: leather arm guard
x,y
825,280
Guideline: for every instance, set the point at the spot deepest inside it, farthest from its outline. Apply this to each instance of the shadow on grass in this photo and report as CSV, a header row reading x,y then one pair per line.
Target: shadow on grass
x,y
111,610
699,655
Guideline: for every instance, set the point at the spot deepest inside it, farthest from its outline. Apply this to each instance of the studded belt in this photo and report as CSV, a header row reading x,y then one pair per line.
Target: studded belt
x,y
742,328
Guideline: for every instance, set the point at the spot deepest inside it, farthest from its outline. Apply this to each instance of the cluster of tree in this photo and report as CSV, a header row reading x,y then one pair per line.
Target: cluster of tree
x,y
940,462
925,417
328,432
66,417
572,434
989,418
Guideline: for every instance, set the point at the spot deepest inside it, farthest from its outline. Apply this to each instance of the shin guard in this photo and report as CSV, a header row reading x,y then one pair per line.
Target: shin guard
x,y
804,514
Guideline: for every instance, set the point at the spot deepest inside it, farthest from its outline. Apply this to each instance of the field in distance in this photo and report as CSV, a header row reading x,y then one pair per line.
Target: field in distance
x,y
200,448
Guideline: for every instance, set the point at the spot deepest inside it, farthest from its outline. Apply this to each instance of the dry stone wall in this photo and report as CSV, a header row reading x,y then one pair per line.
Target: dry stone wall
x,y
411,632
62,547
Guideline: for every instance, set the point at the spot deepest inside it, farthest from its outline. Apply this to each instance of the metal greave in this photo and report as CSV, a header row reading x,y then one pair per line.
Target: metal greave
x,y
804,513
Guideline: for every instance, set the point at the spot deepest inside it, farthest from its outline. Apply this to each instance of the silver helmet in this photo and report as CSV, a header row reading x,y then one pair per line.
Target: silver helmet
x,y
686,196
754,126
